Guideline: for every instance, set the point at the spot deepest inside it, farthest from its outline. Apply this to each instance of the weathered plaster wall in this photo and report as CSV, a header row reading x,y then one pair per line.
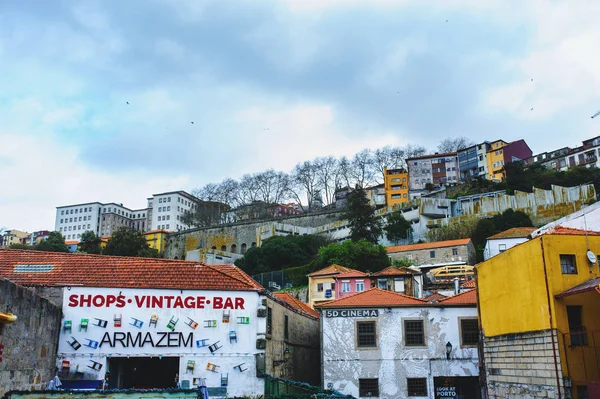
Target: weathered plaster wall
x,y
303,343
392,362
236,234
464,253
30,343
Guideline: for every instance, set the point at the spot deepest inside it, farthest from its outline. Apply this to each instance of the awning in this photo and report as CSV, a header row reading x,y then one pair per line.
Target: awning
x,y
590,285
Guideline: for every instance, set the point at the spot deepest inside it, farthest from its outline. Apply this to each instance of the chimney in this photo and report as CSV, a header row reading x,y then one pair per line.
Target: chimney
x,y
456,288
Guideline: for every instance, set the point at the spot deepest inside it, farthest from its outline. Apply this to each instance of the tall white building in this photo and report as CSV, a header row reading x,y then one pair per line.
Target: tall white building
x,y
164,212
167,210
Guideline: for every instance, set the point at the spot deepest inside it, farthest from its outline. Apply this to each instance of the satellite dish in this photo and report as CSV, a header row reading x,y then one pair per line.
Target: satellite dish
x,y
591,257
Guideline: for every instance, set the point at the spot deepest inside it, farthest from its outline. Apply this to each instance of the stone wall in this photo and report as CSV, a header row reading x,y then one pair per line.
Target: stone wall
x,y
241,234
522,366
303,342
30,343
52,294
465,253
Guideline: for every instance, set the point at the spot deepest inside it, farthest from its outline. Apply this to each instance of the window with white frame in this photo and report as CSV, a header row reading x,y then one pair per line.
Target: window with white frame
x,y
345,286
360,285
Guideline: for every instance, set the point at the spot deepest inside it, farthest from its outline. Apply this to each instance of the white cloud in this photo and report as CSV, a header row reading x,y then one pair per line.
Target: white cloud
x,y
45,173
561,61
288,134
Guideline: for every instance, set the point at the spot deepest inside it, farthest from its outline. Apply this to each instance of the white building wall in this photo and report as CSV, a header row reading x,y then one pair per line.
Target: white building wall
x,y
231,354
496,246
72,221
392,362
167,210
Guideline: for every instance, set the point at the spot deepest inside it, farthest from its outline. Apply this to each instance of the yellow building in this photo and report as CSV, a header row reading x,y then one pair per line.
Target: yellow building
x,y
539,306
11,237
157,239
396,186
321,284
495,160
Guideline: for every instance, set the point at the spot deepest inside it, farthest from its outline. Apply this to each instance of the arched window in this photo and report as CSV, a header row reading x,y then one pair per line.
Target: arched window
x,y
243,248
233,248
253,245
223,247
175,257
213,247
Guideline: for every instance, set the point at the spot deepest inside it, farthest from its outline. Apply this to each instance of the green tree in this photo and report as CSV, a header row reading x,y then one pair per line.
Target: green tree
x,y
129,242
453,231
361,255
54,243
20,246
90,243
361,218
397,227
488,227
281,252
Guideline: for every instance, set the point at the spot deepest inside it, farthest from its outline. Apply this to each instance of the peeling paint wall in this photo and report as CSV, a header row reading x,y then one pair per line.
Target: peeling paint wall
x,y
392,362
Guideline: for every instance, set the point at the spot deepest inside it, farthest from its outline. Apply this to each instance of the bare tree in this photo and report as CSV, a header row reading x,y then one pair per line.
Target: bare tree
x,y
411,151
454,144
343,176
387,158
327,176
272,186
362,168
304,180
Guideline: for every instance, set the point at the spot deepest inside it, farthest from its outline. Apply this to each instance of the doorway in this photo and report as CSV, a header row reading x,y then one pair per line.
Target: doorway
x,y
143,372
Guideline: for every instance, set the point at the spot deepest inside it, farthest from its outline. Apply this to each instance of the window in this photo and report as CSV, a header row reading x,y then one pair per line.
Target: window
x,y
160,200
169,199
416,386
62,212
61,220
469,332
168,217
345,286
319,287
382,284
360,286
432,254
399,284
286,330
368,387
577,331
501,247
269,321
168,226
567,264
366,334
414,334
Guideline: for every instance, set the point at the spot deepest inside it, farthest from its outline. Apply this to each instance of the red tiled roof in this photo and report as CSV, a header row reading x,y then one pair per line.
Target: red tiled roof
x,y
331,269
464,298
395,271
121,272
428,245
568,231
445,154
586,286
71,242
468,284
296,303
435,297
515,232
351,273
374,297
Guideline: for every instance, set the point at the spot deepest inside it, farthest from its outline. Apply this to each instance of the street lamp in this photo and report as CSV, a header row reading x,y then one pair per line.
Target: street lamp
x,y
287,355
448,350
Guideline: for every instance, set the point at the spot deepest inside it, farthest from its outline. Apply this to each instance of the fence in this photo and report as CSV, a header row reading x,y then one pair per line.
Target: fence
x,y
280,388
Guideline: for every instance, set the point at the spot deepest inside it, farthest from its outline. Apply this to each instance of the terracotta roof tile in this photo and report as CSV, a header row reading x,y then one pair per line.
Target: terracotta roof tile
x,y
435,297
464,298
374,297
428,245
296,303
468,284
331,269
121,272
396,271
515,232
351,273
568,231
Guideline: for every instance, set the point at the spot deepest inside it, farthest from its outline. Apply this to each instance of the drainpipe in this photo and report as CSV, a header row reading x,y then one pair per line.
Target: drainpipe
x,y
550,317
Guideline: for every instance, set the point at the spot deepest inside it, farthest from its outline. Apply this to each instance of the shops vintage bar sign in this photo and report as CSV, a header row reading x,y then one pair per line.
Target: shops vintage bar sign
x,y
352,313
154,301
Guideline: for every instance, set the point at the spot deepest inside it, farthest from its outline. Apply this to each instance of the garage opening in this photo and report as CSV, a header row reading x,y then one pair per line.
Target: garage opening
x,y
143,372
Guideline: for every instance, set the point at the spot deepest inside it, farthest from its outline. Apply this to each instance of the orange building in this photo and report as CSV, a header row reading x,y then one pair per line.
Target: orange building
x,y
396,186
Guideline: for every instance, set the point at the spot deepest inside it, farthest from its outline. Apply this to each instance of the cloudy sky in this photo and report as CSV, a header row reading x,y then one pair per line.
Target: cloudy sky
x,y
268,84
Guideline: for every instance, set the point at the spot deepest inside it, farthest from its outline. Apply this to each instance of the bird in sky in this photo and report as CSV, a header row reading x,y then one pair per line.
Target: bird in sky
x,y
127,102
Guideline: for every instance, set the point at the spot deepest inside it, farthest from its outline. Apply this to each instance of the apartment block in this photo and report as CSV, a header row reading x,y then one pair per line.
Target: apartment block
x,y
472,161
9,237
502,153
588,155
396,186
435,169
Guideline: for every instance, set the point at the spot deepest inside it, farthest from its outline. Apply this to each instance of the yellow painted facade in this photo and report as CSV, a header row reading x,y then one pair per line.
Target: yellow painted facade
x,y
316,295
396,186
157,239
495,161
517,290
